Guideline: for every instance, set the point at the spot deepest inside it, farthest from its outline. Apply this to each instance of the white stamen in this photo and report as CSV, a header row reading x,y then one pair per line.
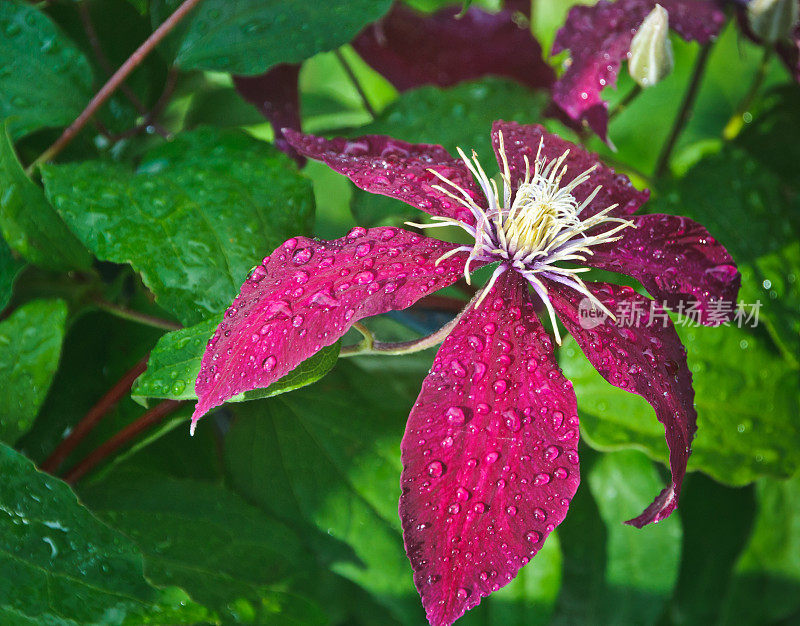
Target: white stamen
x,y
532,229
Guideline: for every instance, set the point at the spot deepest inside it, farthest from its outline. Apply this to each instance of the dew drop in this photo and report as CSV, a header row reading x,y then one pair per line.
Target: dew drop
x,y
455,415
269,363
435,469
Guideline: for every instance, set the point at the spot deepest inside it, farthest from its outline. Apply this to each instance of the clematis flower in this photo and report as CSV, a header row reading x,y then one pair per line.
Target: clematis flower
x,y
599,38
490,452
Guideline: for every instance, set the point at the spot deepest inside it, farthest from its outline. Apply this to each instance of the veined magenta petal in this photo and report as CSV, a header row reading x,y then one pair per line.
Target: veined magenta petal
x,y
522,140
644,357
275,94
678,262
391,167
412,49
489,454
305,296
599,37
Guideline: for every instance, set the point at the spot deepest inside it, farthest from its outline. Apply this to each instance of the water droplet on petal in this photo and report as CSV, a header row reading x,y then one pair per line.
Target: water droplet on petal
x,y
269,363
435,469
455,415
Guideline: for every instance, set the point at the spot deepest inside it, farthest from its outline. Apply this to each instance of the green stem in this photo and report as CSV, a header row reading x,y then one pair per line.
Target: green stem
x,y
369,345
354,79
625,102
684,112
735,124
134,316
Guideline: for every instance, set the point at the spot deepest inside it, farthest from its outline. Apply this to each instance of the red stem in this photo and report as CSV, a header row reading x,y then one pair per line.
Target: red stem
x,y
116,81
152,417
93,417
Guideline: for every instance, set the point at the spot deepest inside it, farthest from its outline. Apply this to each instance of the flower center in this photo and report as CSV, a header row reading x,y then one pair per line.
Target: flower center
x,y
540,228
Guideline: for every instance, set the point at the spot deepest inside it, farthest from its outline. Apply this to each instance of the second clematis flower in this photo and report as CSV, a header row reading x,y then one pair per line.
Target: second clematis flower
x,y
490,452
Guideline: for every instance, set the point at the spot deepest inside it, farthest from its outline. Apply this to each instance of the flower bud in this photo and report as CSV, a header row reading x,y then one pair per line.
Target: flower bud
x,y
650,58
772,20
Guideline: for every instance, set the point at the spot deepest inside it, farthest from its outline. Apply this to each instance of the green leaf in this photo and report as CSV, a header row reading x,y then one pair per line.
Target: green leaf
x,y
766,584
328,457
767,251
746,399
175,362
44,79
469,110
30,347
29,224
60,565
529,599
227,554
194,217
10,267
642,564
250,36
614,573
716,523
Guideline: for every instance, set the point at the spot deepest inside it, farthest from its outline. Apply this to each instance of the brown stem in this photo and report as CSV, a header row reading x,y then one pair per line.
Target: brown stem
x,y
115,81
351,75
94,42
135,316
94,416
685,111
150,418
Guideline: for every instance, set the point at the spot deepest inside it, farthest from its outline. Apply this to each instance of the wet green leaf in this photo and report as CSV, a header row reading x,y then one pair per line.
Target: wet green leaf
x,y
60,565
250,36
175,362
642,564
469,108
227,554
196,215
44,79
766,583
9,268
614,573
766,251
746,399
329,457
28,223
30,347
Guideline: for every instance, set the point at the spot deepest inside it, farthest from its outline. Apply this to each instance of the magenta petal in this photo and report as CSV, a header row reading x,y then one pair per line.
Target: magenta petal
x,y
412,49
647,358
523,141
489,454
275,94
678,262
394,168
307,294
599,37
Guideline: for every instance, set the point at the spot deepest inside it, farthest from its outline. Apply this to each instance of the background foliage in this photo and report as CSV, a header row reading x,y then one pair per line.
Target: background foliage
x,y
117,259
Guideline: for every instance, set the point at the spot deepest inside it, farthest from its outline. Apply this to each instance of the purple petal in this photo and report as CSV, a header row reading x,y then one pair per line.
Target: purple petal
x,y
678,262
523,141
394,168
412,49
275,94
490,454
646,358
599,37
307,294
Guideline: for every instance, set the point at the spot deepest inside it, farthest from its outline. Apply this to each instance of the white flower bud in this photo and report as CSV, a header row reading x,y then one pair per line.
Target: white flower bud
x,y
650,58
772,20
